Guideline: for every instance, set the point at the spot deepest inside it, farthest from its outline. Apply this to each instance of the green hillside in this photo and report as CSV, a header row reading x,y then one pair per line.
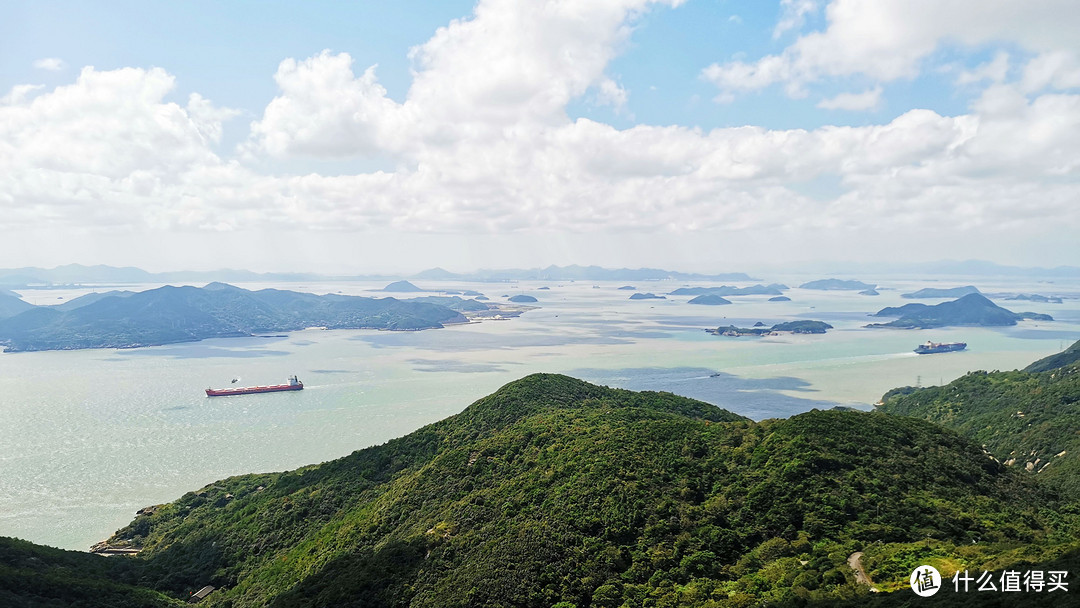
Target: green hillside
x,y
555,492
1066,357
1029,421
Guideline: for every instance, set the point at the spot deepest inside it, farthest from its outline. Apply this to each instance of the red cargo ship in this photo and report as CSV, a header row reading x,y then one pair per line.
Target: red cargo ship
x,y
293,385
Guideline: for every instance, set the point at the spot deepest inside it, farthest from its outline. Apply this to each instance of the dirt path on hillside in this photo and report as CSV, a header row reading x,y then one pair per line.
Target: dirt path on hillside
x,y
855,562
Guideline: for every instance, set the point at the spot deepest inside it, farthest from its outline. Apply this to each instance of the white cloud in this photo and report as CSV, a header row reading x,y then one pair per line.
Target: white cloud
x,y
1054,69
867,100
995,70
483,145
888,39
793,15
52,64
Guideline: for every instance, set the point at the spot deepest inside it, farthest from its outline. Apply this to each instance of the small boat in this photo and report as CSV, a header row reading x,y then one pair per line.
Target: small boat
x,y
294,385
939,347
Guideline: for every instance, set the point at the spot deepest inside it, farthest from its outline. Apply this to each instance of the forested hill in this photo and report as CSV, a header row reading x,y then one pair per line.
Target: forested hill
x,y
1030,421
181,314
1066,357
555,490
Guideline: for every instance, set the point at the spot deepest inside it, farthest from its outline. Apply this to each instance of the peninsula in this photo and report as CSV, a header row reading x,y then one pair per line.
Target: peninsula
x,y
183,314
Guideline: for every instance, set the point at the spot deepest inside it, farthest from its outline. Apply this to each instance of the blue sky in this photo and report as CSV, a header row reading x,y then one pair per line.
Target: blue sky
x,y
620,132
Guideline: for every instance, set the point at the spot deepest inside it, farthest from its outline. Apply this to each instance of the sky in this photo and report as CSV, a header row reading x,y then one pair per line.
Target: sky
x,y
705,135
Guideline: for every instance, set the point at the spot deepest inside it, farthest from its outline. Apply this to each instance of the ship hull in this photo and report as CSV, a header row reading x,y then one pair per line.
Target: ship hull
x,y
225,392
941,348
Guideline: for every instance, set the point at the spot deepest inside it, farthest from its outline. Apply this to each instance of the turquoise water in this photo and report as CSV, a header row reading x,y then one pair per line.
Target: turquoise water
x,y
91,436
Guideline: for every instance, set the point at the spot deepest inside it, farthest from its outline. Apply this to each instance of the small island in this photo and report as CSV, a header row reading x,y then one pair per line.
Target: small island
x,y
1034,297
709,300
972,309
522,298
836,285
773,289
780,299
937,292
646,296
628,288
869,292
401,287
790,327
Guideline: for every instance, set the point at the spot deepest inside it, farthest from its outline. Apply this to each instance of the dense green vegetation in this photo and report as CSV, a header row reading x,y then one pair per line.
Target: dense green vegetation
x,y
181,314
555,492
795,327
1030,421
972,309
1066,357
32,576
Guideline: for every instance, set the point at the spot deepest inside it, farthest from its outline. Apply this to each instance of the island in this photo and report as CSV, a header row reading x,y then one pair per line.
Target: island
x,y
709,300
791,327
170,314
780,299
646,296
401,287
936,292
836,285
972,309
1034,297
627,288
869,292
522,298
730,290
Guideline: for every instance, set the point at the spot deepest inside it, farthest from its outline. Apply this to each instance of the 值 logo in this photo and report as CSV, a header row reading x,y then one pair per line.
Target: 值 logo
x,y
925,581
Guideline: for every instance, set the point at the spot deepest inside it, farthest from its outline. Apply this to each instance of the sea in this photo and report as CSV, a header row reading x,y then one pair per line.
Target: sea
x,y
88,437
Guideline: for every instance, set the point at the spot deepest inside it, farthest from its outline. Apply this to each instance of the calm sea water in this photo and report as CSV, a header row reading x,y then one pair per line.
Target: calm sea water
x,y
89,437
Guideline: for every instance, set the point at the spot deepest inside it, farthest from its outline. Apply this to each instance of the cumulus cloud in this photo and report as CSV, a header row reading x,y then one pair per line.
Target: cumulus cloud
x,y
995,70
52,64
888,39
867,100
482,143
792,15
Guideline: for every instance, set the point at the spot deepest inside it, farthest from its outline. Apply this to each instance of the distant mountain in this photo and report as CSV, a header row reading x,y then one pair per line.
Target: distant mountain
x,y
402,287
180,314
11,304
937,292
972,309
709,300
90,298
1066,357
773,289
577,273
836,285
